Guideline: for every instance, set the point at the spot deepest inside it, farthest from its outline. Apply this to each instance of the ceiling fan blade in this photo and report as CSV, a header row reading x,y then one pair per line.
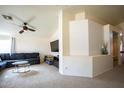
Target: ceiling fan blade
x,y
31,26
17,17
21,31
31,29
29,20
16,25
7,17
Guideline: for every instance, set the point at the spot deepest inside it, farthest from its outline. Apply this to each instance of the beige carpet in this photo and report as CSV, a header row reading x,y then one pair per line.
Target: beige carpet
x,y
48,76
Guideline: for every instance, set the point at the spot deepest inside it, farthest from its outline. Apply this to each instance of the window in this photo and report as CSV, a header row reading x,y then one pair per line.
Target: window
x,y
5,46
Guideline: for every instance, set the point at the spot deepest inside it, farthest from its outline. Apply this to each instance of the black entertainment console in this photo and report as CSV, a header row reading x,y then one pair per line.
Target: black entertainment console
x,y
52,60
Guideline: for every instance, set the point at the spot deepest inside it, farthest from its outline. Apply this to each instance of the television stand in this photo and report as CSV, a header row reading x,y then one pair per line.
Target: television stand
x,y
52,60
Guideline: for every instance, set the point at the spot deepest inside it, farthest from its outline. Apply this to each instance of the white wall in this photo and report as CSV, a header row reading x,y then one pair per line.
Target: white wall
x,y
32,44
66,18
60,29
5,44
26,43
79,37
86,37
87,66
101,64
95,37
4,37
77,66
69,14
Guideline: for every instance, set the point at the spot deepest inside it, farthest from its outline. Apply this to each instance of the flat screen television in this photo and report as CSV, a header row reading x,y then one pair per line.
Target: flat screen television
x,y
54,46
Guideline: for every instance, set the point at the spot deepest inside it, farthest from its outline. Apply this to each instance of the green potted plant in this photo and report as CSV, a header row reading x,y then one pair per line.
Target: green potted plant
x,y
104,50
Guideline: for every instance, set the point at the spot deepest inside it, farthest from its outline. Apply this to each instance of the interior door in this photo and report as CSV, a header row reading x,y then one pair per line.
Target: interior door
x,y
115,48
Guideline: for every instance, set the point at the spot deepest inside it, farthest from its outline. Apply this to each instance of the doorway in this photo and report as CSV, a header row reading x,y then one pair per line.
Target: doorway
x,y
115,48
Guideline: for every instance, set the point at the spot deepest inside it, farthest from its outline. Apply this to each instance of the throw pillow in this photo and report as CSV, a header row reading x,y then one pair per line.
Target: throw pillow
x,y
0,59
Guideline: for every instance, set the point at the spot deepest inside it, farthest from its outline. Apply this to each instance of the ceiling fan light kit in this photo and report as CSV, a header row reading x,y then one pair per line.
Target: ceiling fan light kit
x,y
26,28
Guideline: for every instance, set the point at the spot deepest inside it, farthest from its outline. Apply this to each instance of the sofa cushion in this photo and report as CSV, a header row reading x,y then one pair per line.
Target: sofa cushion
x,y
0,59
33,61
5,56
31,55
17,56
2,64
2,56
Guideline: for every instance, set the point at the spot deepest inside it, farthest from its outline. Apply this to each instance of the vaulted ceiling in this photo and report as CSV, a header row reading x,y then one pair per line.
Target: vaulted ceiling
x,y
45,18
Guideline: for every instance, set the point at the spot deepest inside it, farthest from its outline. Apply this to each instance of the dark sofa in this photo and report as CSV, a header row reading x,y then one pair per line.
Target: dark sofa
x,y
8,59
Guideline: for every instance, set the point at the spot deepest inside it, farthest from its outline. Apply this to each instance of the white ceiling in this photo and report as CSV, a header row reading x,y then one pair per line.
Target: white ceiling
x,y
44,18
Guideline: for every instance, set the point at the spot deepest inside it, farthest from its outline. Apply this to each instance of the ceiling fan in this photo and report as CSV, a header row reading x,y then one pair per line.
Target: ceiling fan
x,y
26,28
25,25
